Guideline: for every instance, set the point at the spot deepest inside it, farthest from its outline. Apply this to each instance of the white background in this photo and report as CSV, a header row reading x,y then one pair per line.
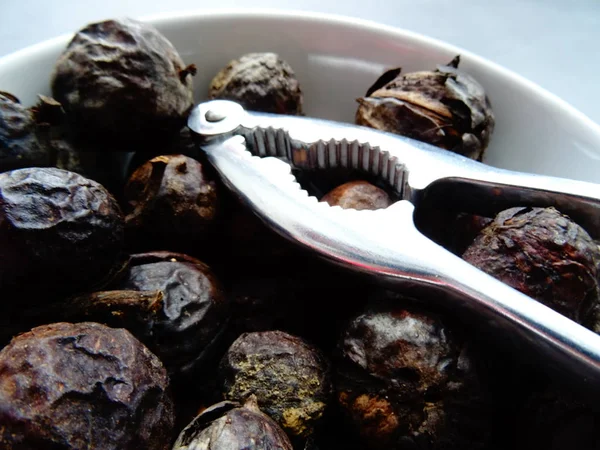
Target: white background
x,y
555,43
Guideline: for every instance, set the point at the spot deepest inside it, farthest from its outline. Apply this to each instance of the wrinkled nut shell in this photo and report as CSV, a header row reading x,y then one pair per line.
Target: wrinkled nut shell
x,y
289,377
259,82
73,386
545,255
358,195
123,86
57,228
189,317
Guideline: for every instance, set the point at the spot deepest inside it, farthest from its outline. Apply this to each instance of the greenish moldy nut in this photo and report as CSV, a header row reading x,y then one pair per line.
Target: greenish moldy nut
x,y
123,86
289,377
171,203
359,195
83,385
445,107
227,426
60,233
545,255
259,82
19,145
405,381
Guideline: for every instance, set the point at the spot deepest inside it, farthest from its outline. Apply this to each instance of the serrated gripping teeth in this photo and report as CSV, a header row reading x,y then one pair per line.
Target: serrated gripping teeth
x,y
329,154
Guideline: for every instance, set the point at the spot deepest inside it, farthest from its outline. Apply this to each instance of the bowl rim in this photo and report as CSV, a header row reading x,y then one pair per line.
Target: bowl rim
x,y
172,17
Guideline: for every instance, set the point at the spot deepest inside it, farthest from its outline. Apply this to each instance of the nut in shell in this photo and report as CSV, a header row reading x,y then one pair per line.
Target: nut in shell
x,y
260,82
545,255
58,228
405,381
84,385
123,86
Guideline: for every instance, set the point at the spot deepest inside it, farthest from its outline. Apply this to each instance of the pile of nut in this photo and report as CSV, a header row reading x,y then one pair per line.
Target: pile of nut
x,y
146,308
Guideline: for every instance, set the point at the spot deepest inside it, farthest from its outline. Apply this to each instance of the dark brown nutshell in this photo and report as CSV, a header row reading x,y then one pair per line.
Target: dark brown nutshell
x,y
267,302
182,317
289,377
259,82
59,233
554,419
244,246
83,385
123,86
305,297
445,107
171,203
227,426
53,134
464,229
545,255
19,146
358,195
404,381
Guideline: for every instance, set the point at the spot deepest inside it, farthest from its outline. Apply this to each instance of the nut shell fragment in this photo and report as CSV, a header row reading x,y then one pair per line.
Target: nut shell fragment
x,y
446,108
226,427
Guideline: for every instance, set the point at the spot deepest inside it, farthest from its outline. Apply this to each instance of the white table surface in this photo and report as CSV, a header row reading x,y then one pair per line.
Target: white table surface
x,y
554,43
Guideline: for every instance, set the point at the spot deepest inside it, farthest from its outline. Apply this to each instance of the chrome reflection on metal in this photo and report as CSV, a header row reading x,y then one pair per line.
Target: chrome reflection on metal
x,y
385,244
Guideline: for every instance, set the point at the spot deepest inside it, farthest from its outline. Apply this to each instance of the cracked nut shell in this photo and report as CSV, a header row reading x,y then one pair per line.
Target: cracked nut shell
x,y
171,203
289,377
445,107
545,255
259,82
123,86
73,386
227,426
59,233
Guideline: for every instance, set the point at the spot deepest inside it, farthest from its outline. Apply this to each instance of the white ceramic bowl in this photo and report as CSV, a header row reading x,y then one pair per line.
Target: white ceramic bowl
x,y
337,59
